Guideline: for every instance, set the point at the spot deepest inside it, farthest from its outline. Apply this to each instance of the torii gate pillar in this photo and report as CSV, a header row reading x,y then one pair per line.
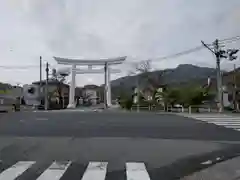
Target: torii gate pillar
x,y
107,86
71,103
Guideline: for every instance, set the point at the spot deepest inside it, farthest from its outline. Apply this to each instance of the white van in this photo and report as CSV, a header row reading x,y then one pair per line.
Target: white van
x,y
9,103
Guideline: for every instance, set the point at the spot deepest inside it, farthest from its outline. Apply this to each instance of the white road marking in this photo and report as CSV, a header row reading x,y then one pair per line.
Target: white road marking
x,y
55,171
16,170
222,118
227,121
95,171
136,171
207,115
229,126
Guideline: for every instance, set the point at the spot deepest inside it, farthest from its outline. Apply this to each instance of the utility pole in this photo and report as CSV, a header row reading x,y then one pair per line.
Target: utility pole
x,y
219,75
40,70
219,53
138,91
40,73
105,86
46,87
234,88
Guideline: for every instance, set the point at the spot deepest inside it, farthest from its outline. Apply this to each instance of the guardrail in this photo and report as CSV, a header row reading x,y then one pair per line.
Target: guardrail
x,y
189,109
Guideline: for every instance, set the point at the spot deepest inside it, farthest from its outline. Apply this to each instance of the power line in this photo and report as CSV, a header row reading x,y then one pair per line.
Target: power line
x,y
18,67
189,51
231,39
198,48
21,67
185,52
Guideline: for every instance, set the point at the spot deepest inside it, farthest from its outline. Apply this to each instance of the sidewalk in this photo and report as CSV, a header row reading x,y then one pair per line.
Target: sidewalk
x,y
227,170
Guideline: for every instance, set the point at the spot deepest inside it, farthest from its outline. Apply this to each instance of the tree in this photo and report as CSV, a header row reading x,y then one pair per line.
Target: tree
x,y
169,97
190,96
185,96
125,101
60,79
141,69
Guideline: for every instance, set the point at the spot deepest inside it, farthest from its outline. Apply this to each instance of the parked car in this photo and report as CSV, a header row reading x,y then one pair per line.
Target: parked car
x,y
9,103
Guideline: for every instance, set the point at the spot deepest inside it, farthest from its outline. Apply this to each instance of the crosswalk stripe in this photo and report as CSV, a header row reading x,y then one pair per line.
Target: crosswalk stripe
x,y
221,120
16,170
227,121
55,171
229,125
210,118
224,122
95,171
136,171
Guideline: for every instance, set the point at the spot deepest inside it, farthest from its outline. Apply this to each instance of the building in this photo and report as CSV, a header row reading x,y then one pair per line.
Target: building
x,y
58,93
91,94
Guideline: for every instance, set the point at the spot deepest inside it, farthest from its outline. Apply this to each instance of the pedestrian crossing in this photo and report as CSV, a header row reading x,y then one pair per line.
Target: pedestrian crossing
x,y
225,120
93,171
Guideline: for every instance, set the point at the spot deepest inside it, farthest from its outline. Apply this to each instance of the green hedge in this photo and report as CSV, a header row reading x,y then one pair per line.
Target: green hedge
x,y
126,104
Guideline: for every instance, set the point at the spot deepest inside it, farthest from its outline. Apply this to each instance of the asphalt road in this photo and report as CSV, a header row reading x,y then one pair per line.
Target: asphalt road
x,y
118,145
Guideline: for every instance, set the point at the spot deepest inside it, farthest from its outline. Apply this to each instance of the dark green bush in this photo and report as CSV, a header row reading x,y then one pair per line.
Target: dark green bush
x,y
128,104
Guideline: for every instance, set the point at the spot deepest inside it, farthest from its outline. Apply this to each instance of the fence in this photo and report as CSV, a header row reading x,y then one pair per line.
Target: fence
x,y
190,109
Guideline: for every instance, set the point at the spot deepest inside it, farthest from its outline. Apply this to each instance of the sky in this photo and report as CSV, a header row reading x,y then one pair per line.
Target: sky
x,y
138,29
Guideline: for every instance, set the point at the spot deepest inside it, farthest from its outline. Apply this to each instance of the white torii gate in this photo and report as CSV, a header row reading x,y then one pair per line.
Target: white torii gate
x,y
101,62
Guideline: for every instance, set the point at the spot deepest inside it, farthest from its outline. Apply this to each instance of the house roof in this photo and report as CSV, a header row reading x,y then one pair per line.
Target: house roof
x,y
91,86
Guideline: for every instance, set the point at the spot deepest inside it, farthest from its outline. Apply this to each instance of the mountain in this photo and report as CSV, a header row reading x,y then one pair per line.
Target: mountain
x,y
182,74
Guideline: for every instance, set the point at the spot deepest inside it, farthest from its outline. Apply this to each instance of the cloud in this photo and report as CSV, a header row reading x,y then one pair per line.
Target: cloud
x,y
107,28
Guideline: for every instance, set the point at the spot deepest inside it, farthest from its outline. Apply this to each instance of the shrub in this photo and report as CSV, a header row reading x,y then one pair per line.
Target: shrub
x,y
128,104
